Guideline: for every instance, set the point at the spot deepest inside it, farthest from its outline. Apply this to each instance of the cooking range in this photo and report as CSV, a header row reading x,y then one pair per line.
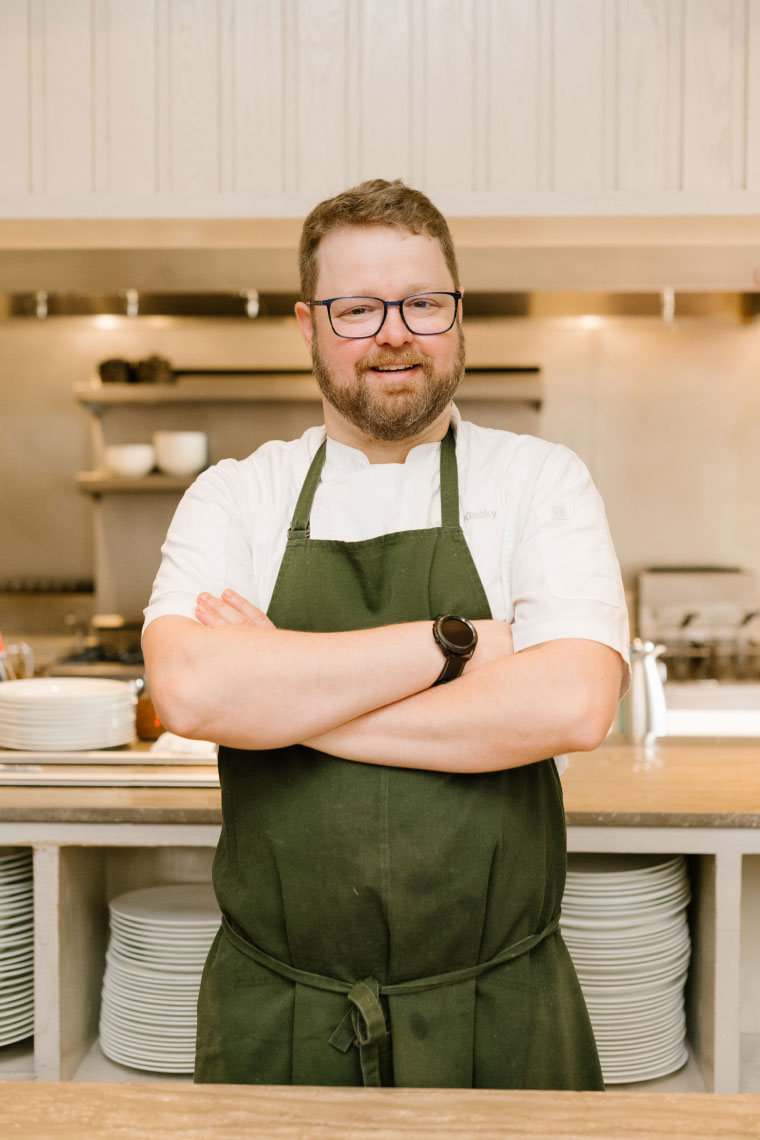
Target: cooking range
x,y
708,619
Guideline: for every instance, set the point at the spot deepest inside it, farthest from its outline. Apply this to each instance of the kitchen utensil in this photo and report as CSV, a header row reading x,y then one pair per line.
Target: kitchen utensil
x,y
21,657
154,370
181,452
116,371
130,459
646,717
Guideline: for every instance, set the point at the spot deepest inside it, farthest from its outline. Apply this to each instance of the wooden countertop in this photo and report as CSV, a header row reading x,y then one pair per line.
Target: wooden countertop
x,y
680,783
45,1110
110,805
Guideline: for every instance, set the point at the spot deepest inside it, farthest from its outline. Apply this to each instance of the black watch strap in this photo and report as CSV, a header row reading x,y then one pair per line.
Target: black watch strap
x,y
456,637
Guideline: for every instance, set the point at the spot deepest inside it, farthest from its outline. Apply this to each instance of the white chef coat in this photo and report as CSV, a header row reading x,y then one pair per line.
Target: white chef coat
x,y
533,520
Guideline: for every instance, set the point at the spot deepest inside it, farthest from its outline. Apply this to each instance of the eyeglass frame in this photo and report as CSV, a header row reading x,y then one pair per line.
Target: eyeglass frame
x,y
456,294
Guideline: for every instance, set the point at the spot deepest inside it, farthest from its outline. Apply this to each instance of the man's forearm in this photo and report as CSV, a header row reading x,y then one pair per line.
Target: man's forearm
x,y
250,687
554,698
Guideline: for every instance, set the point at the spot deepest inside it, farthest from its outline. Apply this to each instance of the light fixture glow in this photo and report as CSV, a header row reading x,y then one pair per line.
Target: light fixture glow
x,y
590,321
668,304
105,321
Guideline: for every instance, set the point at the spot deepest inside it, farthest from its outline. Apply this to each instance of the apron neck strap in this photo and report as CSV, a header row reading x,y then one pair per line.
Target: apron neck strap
x,y
299,526
449,480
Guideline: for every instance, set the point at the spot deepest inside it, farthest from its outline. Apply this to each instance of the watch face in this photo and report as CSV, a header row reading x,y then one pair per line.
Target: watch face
x,y
456,632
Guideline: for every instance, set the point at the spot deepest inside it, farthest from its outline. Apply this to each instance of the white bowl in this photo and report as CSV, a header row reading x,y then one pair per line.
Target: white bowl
x,y
131,459
181,452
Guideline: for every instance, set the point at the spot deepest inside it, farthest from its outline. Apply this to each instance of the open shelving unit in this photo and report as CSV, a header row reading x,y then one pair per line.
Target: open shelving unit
x,y
79,867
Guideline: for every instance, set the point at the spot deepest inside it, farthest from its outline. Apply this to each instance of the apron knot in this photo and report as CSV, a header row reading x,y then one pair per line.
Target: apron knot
x,y
364,1025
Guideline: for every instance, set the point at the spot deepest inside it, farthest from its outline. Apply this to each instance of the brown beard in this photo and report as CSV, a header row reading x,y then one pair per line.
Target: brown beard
x,y
394,416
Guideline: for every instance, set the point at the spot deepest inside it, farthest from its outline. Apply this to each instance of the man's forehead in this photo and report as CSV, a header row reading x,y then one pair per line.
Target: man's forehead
x,y
352,253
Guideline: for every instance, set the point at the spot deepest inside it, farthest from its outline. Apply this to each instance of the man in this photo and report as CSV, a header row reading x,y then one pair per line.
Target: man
x,y
392,857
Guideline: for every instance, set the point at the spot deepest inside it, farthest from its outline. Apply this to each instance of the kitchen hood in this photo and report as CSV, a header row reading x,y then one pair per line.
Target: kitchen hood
x,y
635,255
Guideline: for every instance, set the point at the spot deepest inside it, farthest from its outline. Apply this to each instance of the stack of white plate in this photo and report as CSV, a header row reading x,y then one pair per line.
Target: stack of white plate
x,y
65,713
624,922
160,938
16,945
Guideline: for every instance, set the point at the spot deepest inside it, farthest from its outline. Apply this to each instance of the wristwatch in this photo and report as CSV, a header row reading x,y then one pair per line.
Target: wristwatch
x,y
457,638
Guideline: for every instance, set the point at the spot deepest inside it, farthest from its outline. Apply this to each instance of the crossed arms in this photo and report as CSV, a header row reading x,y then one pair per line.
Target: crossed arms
x,y
365,695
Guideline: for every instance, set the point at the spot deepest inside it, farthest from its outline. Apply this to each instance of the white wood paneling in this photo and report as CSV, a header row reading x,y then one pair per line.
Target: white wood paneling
x,y
128,48
448,107
67,102
36,96
579,96
14,96
193,67
514,135
258,98
492,106
708,96
753,95
384,93
643,89
320,144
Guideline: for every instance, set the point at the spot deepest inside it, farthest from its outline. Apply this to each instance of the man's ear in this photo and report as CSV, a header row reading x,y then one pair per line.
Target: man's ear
x,y
303,316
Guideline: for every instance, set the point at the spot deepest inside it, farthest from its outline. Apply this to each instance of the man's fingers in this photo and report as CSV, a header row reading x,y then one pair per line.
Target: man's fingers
x,y
230,609
246,608
218,611
207,616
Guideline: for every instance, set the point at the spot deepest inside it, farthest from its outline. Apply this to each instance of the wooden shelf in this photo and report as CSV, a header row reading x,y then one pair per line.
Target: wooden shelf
x,y
101,483
202,388
503,385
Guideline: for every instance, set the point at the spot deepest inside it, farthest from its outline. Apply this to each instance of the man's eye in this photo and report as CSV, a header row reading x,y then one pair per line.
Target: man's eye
x,y
352,312
423,304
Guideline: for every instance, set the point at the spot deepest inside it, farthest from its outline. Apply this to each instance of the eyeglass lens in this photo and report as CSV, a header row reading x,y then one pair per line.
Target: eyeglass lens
x,y
363,316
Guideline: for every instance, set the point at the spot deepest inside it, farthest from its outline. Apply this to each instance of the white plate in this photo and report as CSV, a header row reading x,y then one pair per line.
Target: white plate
x,y
159,1033
16,928
177,903
628,1074
624,866
12,1037
137,971
60,688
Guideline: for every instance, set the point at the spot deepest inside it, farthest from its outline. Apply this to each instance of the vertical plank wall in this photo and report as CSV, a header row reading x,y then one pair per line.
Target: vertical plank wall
x,y
507,106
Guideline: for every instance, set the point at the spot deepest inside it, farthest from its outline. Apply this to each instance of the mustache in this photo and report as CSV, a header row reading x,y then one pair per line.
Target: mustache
x,y
383,360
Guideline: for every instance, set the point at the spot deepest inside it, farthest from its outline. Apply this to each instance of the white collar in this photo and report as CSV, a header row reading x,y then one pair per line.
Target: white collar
x,y
343,459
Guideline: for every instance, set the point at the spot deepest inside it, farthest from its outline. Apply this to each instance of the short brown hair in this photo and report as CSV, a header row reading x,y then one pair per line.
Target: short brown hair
x,y
372,203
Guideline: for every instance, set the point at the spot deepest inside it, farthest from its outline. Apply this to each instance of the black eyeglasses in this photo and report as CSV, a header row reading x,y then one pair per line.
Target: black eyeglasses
x,y
424,314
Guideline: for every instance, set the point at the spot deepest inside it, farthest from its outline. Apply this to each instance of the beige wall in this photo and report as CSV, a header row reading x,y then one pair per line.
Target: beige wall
x,y
666,416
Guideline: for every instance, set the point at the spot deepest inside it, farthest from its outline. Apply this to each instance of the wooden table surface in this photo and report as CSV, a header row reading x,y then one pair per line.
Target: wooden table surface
x,y
52,1111
679,783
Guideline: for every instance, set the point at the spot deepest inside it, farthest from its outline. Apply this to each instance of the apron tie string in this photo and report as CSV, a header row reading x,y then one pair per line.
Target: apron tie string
x,y
363,1024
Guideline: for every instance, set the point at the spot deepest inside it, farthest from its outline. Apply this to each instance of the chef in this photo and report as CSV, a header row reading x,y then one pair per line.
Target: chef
x,y
392,626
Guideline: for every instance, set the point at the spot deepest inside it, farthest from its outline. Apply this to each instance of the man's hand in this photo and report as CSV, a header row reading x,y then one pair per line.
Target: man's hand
x,y
230,609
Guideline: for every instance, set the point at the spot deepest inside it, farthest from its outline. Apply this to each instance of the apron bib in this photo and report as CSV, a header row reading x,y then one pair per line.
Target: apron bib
x,y
386,925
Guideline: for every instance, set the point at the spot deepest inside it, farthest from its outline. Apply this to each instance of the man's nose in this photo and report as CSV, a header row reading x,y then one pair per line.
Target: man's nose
x,y
393,331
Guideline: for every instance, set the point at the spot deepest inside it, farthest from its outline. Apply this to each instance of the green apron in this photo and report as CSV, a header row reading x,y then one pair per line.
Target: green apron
x,y
388,925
